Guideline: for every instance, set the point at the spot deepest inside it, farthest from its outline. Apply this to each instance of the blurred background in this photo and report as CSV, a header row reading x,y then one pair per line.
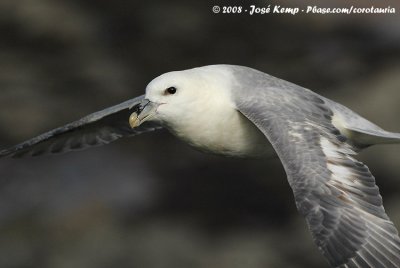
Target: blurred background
x,y
151,201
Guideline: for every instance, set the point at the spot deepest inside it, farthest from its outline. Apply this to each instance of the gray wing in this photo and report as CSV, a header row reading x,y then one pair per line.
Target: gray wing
x,y
95,129
334,192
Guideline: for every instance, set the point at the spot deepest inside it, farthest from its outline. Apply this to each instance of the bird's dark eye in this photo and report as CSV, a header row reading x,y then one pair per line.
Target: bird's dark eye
x,y
170,90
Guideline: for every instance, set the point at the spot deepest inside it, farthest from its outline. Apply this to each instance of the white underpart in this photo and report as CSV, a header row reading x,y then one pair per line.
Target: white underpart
x,y
340,123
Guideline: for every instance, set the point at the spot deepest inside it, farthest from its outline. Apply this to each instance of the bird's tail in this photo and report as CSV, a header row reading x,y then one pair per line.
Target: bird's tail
x,y
365,138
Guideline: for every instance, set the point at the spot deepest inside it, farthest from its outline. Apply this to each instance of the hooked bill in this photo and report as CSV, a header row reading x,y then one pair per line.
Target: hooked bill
x,y
134,120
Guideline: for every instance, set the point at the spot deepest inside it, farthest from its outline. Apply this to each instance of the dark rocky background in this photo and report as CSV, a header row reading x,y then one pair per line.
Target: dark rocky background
x,y
151,201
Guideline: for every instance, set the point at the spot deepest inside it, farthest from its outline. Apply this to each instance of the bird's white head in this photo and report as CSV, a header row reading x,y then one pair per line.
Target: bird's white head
x,y
198,106
179,96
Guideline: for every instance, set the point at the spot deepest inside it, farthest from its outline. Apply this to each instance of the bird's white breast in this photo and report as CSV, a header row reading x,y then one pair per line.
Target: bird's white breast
x,y
232,135
217,127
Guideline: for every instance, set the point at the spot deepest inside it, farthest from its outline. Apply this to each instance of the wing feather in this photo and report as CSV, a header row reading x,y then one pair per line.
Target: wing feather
x,y
335,193
96,129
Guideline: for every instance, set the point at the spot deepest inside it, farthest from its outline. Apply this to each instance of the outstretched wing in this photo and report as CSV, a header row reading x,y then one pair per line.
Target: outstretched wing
x,y
334,192
95,129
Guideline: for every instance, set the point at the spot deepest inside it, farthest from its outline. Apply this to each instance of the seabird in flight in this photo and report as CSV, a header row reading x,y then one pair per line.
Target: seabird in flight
x,y
238,111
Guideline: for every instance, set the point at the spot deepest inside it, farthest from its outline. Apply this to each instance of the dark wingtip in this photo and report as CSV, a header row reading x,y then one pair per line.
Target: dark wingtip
x,y
6,153
13,152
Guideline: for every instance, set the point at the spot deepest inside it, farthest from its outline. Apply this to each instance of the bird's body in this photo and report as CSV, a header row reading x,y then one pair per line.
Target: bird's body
x,y
238,111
